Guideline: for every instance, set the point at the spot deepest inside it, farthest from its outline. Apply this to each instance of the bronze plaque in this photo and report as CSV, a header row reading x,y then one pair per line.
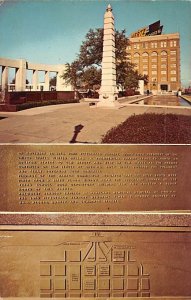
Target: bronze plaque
x,y
95,263
95,178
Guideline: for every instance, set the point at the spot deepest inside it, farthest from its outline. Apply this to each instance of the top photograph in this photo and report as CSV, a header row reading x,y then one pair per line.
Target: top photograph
x,y
95,72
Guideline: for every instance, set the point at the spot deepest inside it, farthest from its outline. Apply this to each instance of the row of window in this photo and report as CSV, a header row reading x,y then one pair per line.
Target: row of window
x,y
163,72
152,60
137,60
173,79
162,66
154,79
146,45
163,53
145,62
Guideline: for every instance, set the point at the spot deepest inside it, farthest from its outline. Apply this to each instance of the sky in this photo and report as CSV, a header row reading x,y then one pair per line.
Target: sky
x,y
51,31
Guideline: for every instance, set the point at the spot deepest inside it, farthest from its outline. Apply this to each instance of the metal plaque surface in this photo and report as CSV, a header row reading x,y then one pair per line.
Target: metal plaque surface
x,y
95,178
95,264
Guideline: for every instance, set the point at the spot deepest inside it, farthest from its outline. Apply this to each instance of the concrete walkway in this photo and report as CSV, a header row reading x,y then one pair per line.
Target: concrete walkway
x,y
56,124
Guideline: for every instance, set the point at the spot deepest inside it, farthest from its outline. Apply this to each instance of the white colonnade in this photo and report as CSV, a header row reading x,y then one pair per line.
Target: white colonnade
x,y
21,66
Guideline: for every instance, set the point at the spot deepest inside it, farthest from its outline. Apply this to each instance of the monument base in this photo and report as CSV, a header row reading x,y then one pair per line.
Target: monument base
x,y
109,102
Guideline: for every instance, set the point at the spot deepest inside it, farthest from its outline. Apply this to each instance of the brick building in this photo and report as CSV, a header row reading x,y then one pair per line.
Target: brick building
x,y
157,56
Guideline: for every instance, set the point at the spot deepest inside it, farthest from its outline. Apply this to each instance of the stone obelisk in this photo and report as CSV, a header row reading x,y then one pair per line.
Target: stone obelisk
x,y
108,92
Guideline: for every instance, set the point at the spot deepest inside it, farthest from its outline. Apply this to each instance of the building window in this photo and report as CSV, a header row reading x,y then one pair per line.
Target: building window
x,y
145,60
173,52
173,58
163,59
145,67
163,44
154,45
145,45
128,47
145,54
154,72
173,43
136,61
145,72
136,55
154,60
163,72
154,66
163,79
154,79
173,72
163,66
163,53
173,79
173,65
136,46
154,54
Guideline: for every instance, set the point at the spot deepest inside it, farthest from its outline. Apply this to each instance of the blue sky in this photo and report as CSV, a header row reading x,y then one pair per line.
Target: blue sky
x,y
51,31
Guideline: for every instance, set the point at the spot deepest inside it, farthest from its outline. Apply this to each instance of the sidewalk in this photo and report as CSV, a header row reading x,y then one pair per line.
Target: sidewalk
x,y
56,124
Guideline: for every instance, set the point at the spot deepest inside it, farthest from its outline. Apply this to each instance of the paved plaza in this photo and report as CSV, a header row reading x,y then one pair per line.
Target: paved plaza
x,y
56,124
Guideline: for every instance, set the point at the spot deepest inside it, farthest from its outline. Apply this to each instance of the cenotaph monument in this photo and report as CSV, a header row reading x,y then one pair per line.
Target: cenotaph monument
x,y
95,222
108,91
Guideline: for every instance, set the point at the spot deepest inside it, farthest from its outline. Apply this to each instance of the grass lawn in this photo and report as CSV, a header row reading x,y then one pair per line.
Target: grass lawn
x,y
151,129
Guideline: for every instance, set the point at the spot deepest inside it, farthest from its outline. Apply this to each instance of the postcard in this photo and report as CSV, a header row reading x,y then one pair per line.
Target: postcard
x,y
95,134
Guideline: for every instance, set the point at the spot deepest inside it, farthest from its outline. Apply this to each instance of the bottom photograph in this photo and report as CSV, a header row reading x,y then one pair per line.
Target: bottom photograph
x,y
78,261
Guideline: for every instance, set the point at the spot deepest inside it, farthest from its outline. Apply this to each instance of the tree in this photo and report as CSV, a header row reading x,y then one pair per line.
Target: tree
x,y
127,77
53,81
72,74
145,78
91,77
86,69
91,49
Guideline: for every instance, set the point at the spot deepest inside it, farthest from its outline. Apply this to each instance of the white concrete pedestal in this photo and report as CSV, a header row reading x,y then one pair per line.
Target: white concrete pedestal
x,y
108,104
108,93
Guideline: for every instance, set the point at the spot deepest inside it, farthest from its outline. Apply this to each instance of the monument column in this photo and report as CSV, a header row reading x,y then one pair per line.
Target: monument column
x,y
60,82
4,79
47,81
35,80
20,76
108,91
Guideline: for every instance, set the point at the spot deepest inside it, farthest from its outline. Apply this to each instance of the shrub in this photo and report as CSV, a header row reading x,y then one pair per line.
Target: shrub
x,y
44,103
150,129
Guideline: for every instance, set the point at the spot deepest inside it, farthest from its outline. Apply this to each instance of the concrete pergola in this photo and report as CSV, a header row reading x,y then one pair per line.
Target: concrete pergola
x,y
21,66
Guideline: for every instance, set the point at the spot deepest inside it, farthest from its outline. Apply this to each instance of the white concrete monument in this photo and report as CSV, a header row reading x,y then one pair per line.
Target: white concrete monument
x,y
108,92
141,87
